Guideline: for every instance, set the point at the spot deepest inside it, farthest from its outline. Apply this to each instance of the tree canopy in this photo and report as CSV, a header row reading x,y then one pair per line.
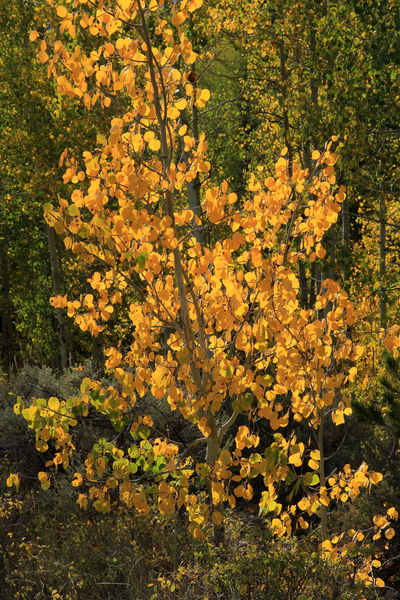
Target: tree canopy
x,y
206,192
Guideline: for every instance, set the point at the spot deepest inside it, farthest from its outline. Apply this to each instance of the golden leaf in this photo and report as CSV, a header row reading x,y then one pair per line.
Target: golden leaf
x,y
61,11
78,479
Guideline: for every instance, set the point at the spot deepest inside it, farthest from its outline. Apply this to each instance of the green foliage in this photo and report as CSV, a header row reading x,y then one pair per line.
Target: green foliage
x,y
383,414
118,555
259,568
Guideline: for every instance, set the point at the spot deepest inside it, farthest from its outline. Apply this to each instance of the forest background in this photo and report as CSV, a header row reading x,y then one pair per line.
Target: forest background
x,y
217,372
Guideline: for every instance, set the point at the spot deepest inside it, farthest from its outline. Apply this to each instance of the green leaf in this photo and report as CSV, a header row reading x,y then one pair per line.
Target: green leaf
x,y
73,210
311,479
133,451
141,259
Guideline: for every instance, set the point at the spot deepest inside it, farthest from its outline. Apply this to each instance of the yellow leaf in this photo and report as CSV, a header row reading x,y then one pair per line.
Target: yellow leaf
x,y
375,478
337,417
178,19
303,523
391,342
181,104
202,97
42,476
313,464
203,426
78,479
324,500
43,57
109,48
379,582
159,376
61,11
54,403
376,563
295,459
194,5
33,36
44,480
380,521
82,501
304,504
13,480
315,155
154,145
390,533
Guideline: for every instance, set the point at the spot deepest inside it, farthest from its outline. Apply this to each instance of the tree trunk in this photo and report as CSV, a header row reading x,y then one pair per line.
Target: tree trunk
x,y
63,329
98,355
322,482
5,307
303,285
382,263
193,187
345,232
284,91
213,449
